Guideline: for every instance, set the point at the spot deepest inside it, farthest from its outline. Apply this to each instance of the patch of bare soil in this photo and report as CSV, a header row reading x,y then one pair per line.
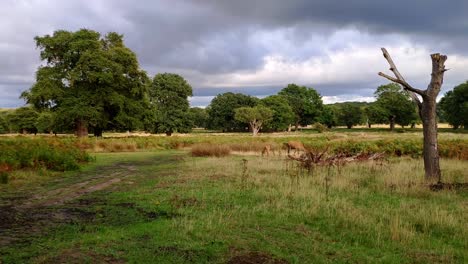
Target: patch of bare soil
x,y
255,258
21,218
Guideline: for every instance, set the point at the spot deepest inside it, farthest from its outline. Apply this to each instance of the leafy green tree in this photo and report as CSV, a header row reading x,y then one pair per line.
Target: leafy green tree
x,y
221,111
283,114
89,81
349,115
45,122
328,116
4,127
396,104
254,116
454,106
305,102
169,94
375,114
23,120
199,117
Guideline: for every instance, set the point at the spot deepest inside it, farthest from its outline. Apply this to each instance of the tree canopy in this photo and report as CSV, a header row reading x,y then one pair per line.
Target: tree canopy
x,y
89,81
23,120
454,106
169,94
199,116
395,104
283,114
306,103
349,115
221,111
254,116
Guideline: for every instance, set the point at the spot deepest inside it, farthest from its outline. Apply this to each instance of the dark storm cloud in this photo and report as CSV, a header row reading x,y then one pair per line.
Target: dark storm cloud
x,y
207,38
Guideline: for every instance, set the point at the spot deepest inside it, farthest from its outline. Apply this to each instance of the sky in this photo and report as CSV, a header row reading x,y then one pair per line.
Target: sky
x,y
254,47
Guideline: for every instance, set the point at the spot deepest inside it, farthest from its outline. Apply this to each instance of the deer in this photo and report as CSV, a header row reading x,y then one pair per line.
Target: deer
x,y
296,145
266,150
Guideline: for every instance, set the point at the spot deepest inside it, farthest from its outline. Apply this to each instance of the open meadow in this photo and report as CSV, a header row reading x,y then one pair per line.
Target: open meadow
x,y
214,198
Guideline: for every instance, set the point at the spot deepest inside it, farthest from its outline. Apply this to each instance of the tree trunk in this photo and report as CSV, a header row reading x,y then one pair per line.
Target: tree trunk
x,y
81,128
169,133
297,127
430,150
289,128
369,125
98,132
349,126
392,123
255,131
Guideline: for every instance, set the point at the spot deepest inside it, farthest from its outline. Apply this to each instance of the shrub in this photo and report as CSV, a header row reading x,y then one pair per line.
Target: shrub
x,y
206,149
52,154
320,128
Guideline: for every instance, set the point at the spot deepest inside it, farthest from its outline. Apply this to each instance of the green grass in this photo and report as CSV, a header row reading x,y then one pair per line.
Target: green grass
x,y
174,208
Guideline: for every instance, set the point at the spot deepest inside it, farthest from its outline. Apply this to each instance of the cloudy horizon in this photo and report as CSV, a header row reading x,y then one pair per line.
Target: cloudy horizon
x,y
252,47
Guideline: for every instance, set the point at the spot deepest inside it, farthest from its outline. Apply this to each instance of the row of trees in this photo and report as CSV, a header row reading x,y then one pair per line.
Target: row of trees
x,y
92,83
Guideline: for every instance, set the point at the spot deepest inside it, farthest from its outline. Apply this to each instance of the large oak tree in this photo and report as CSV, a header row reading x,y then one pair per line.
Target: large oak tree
x,y
89,81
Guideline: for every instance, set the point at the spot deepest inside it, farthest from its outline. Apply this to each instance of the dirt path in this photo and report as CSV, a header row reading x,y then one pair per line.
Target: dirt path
x,y
28,215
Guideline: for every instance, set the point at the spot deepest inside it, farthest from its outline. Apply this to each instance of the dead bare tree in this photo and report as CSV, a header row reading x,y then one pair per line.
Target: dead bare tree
x,y
427,110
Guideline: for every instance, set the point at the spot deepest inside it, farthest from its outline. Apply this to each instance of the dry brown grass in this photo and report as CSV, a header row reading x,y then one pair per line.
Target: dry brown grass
x,y
210,150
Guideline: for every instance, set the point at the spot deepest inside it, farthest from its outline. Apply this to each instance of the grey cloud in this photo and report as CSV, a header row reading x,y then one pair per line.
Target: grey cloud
x,y
208,37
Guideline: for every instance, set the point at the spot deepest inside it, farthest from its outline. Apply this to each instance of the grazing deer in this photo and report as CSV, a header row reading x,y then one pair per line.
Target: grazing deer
x,y
266,150
296,145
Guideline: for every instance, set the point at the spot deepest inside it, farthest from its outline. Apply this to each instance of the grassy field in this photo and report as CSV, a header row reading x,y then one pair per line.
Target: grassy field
x,y
165,206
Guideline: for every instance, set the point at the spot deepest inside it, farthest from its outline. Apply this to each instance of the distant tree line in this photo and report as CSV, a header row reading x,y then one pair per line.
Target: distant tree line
x,y
93,83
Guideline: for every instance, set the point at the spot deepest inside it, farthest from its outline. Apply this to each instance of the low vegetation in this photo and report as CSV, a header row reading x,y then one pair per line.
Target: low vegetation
x,y
170,207
51,154
207,150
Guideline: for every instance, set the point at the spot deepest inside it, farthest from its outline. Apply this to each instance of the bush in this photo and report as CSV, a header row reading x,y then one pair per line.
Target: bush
x,y
320,128
52,154
206,149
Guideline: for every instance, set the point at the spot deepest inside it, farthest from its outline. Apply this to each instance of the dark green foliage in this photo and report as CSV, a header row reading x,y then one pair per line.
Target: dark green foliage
x,y
4,127
283,114
169,95
254,117
306,103
89,80
375,114
199,116
329,116
349,115
454,106
45,122
396,105
221,111
23,120
59,155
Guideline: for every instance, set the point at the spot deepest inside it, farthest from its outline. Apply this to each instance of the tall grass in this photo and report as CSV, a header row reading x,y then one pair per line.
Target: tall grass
x,y
361,208
207,150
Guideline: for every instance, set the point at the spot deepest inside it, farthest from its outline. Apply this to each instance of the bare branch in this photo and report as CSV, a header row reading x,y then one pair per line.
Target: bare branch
x,y
399,78
389,77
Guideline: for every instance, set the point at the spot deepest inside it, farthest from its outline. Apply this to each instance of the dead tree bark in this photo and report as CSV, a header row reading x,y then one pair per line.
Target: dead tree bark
x,y
427,110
